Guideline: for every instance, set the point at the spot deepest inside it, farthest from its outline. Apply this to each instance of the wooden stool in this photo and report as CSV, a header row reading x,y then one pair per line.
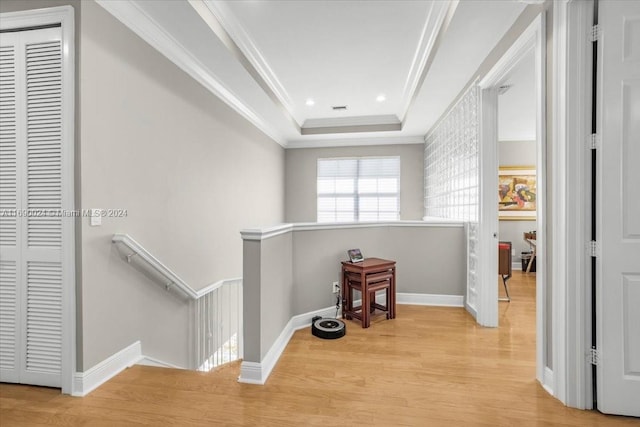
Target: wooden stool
x,y
373,283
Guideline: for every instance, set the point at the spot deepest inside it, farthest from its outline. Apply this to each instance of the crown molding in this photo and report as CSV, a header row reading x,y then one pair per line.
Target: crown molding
x,y
438,19
355,142
250,52
138,21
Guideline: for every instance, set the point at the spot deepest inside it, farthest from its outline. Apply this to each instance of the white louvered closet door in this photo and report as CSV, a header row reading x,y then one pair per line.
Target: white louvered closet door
x,y
31,180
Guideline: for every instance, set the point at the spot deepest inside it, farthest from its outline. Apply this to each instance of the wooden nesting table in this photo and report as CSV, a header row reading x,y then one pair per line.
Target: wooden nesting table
x,y
372,273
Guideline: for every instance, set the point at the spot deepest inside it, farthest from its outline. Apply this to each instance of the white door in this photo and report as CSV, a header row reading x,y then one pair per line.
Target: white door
x,y
488,212
618,267
31,201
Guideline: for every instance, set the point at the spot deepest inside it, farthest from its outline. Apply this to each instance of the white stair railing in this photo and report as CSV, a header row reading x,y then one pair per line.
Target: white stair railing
x,y
217,308
218,326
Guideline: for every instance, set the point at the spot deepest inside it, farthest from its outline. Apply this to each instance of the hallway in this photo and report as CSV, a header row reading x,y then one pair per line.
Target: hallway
x,y
430,366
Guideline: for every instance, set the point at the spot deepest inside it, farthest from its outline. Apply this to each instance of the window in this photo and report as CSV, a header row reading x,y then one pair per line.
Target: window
x,y
359,189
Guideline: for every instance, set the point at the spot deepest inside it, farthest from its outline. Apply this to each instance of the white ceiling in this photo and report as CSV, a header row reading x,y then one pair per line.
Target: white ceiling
x,y
338,52
476,28
517,106
266,58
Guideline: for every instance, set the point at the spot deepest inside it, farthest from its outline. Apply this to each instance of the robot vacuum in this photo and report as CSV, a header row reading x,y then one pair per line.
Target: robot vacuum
x,y
328,329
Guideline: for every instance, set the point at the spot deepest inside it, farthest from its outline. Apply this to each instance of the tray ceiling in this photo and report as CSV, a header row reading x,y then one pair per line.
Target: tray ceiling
x,y
395,65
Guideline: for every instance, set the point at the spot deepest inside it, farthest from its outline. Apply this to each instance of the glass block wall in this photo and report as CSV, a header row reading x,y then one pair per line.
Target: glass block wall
x,y
451,163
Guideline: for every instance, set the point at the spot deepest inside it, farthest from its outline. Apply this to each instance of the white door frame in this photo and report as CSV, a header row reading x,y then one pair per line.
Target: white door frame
x,y
533,38
571,170
63,15
487,233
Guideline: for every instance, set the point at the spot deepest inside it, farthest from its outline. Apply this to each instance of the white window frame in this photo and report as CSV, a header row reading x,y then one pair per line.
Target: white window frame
x,y
355,195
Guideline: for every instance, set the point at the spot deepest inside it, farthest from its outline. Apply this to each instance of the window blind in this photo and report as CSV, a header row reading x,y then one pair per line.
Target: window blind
x,y
358,189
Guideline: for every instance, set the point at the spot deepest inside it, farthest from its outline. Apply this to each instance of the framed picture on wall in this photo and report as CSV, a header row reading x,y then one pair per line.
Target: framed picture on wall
x,y
517,192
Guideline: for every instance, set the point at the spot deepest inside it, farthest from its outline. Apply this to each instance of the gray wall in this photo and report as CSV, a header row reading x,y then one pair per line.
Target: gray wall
x,y
251,300
516,153
191,173
291,274
276,288
268,293
430,260
301,177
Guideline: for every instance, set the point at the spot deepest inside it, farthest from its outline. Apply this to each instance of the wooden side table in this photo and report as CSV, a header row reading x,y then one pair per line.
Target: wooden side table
x,y
370,267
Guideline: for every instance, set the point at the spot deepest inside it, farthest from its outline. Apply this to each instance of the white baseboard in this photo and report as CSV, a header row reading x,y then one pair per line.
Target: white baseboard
x,y
430,299
422,299
516,266
251,373
87,381
257,373
303,320
150,361
547,380
472,310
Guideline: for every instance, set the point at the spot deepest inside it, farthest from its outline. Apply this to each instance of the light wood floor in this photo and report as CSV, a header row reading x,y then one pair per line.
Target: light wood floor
x,y
429,367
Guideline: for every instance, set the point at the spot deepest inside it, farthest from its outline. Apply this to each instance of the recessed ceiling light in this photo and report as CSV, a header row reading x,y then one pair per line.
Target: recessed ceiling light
x,y
381,98
310,102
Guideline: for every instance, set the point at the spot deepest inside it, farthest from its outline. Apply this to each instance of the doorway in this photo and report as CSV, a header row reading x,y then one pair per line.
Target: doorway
x,y
531,43
517,194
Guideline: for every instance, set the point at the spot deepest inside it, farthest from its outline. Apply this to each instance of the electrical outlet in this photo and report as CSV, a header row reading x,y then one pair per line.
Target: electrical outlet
x,y
335,287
